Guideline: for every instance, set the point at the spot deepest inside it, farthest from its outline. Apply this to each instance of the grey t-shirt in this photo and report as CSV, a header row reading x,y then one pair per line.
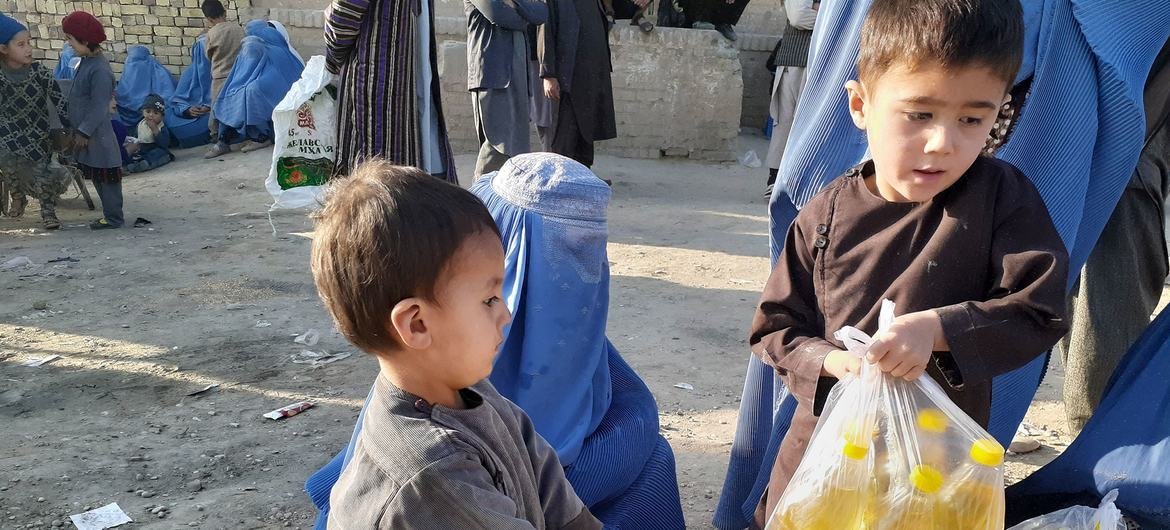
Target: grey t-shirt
x,y
418,466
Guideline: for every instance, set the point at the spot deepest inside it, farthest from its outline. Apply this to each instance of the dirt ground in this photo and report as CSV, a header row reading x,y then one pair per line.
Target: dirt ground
x,y
207,294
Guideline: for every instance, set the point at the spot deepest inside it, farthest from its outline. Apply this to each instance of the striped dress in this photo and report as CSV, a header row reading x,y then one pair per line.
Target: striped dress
x,y
388,105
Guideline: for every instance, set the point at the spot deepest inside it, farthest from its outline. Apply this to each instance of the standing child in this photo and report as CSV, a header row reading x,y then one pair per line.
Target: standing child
x,y
439,447
97,153
962,243
148,149
223,45
30,107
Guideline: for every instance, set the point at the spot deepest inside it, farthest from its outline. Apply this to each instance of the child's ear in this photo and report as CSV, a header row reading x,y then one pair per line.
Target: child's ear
x,y
406,323
855,95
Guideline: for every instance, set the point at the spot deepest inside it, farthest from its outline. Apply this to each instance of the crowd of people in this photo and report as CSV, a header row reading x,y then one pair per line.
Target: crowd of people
x,y
944,176
79,119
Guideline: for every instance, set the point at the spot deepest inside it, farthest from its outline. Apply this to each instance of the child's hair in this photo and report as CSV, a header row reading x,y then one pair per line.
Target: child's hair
x,y
213,9
953,33
384,234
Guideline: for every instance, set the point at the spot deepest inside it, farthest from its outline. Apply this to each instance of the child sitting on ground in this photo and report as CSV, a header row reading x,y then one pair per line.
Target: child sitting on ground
x,y
411,269
31,107
148,147
962,243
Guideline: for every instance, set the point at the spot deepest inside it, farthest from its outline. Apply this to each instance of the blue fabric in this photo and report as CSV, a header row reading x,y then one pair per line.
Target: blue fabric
x,y
64,68
1078,139
1125,445
261,76
142,75
551,212
9,27
194,90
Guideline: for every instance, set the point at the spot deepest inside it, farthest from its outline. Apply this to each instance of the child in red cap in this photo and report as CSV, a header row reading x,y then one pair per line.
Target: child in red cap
x,y
97,153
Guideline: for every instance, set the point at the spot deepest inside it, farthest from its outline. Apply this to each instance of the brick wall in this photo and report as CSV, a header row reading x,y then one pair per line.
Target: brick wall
x,y
167,27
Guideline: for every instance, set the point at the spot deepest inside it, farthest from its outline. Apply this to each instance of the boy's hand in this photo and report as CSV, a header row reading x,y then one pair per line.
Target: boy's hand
x,y
839,363
904,350
552,89
80,142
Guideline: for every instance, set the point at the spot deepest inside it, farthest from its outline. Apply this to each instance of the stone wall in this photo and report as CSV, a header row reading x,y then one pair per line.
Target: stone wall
x,y
167,27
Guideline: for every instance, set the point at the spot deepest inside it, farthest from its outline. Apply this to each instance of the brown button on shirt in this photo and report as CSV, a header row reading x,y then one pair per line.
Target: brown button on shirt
x,y
983,254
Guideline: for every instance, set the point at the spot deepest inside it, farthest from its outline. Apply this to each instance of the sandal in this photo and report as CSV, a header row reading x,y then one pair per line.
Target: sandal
x,y
16,207
51,222
645,25
255,146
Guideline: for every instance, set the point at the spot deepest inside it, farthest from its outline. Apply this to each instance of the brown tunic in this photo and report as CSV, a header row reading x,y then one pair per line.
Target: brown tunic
x,y
983,254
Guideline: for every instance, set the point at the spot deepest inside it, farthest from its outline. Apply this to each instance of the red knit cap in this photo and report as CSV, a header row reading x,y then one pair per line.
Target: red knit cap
x,y
84,27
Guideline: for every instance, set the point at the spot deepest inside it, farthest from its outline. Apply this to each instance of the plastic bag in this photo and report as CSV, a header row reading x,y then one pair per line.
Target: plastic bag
x,y
893,454
1105,517
305,123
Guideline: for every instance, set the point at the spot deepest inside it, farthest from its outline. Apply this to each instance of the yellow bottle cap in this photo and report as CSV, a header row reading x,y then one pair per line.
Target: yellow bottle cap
x,y
932,420
987,452
926,478
854,451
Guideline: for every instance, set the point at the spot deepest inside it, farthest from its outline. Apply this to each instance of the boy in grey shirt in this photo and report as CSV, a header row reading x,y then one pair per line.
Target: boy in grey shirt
x,y
411,268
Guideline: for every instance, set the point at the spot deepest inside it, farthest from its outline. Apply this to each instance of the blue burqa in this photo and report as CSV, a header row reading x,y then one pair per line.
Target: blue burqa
x,y
142,76
1078,138
194,90
556,362
263,72
65,63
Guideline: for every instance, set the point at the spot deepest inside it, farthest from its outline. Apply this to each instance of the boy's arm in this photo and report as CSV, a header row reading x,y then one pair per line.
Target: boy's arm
x,y
343,23
455,492
786,330
562,508
546,42
1024,312
512,14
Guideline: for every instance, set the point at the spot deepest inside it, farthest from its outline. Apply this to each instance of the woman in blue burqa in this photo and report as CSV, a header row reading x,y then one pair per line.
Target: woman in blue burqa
x,y
142,76
556,362
265,69
187,111
1075,127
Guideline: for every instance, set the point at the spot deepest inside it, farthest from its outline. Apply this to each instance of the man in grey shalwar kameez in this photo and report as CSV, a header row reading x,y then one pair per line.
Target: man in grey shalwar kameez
x,y
497,76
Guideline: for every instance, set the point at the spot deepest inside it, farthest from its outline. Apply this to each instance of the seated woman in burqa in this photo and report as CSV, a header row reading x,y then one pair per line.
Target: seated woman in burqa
x,y
142,76
188,110
264,71
556,362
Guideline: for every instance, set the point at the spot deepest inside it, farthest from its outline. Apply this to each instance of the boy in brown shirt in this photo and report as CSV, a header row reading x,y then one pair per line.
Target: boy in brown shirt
x,y
411,268
962,244
223,44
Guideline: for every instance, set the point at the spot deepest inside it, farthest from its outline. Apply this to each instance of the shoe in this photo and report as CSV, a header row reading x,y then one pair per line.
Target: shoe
x,y
702,25
101,224
217,150
728,31
608,182
16,206
51,222
138,167
255,146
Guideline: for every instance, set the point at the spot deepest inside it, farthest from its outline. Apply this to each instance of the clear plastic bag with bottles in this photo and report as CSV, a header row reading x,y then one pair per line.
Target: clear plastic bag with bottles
x,y
1104,517
891,454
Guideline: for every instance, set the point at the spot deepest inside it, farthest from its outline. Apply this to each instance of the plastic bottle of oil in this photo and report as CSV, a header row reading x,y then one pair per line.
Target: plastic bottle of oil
x,y
916,507
840,500
973,500
932,430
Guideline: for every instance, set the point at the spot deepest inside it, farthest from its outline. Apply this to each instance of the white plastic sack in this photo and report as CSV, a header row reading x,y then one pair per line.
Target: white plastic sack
x,y
305,125
1105,517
